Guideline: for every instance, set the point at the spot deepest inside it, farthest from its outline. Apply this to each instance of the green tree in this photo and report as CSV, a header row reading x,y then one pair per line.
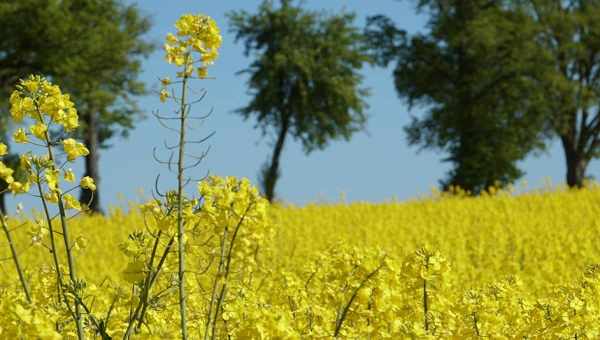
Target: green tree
x,y
304,80
474,73
569,36
93,49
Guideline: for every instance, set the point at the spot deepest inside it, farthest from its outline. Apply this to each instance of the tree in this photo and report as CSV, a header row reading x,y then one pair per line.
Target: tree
x,y
569,35
474,72
304,81
105,81
93,49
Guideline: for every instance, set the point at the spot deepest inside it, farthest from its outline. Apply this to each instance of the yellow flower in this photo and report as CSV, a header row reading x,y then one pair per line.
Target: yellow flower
x,y
71,121
25,161
20,136
31,84
5,171
51,196
195,33
202,72
164,94
28,105
16,106
36,97
3,149
134,272
74,149
69,175
39,130
18,187
71,202
88,183
166,81
51,176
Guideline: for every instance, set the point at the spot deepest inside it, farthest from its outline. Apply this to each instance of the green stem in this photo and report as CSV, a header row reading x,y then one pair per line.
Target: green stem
x,y
65,232
71,264
180,224
425,305
152,280
213,296
140,310
346,309
15,258
59,281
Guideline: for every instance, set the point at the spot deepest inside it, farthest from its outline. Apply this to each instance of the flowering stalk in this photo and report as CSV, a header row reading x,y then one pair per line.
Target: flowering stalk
x,y
195,34
37,99
65,230
244,220
148,282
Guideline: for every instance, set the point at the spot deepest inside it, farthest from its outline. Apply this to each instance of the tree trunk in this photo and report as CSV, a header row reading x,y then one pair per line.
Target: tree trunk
x,y
271,174
576,164
92,162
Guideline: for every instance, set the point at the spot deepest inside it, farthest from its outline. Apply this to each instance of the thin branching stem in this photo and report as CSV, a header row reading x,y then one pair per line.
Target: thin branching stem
x,y
180,224
65,231
15,257
346,308
59,281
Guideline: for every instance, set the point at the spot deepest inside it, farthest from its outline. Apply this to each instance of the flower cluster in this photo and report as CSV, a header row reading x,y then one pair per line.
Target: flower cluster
x,y
39,101
43,102
7,175
195,34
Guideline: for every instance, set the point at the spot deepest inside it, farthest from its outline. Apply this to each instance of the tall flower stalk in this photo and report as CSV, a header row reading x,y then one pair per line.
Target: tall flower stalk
x,y
193,48
39,102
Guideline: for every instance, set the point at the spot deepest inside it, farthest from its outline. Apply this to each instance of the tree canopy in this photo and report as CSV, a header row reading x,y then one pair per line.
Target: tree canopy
x,y
474,73
304,80
92,48
568,35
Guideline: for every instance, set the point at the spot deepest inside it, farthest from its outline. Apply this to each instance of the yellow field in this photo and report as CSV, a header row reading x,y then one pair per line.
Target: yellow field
x,y
497,266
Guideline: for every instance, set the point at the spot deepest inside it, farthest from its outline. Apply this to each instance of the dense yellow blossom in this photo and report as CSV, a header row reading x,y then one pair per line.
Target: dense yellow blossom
x,y
20,136
38,99
39,130
88,183
74,149
496,266
196,34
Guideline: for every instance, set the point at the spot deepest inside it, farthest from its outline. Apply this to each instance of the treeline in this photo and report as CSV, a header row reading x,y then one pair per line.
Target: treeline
x,y
497,79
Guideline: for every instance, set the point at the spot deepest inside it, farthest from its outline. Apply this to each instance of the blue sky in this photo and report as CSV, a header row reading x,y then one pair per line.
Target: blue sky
x,y
376,165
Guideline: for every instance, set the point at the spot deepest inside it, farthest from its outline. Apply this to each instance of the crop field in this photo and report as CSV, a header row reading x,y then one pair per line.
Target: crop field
x,y
497,266
215,258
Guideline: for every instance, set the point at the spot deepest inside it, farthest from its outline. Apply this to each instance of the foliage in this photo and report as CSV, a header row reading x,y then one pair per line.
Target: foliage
x,y
475,73
304,80
93,49
569,39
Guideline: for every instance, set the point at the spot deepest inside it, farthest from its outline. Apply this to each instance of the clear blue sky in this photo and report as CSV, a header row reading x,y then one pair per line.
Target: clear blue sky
x,y
374,166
